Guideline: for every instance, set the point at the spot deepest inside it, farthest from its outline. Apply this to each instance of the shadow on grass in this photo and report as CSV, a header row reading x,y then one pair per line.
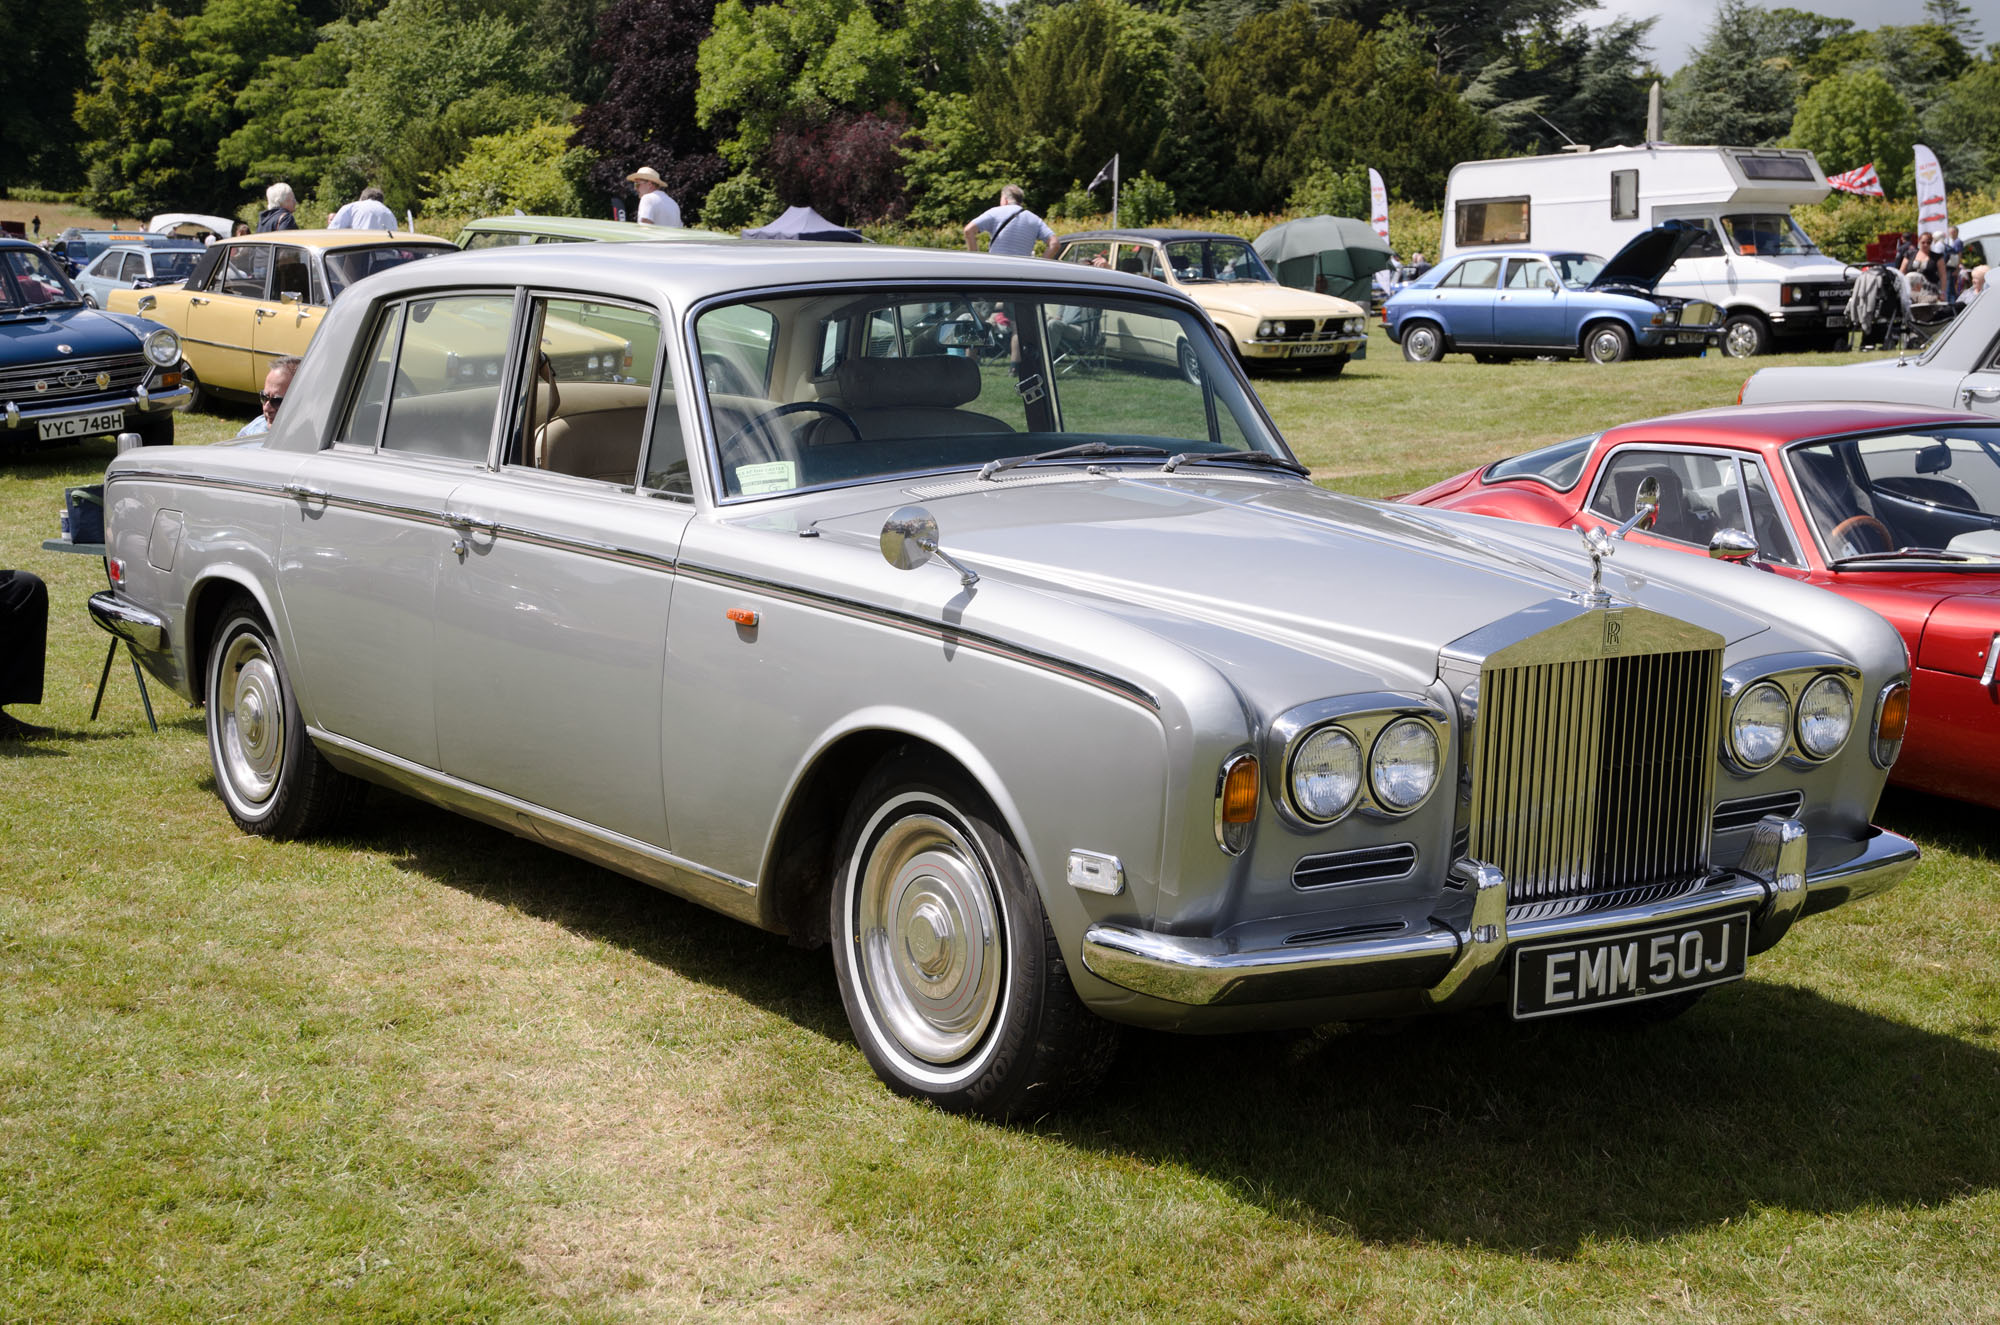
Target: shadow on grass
x,y
1971,830
1534,1137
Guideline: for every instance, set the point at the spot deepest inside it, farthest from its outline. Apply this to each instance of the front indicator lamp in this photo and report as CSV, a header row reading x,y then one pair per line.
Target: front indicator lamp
x,y
1236,803
1892,719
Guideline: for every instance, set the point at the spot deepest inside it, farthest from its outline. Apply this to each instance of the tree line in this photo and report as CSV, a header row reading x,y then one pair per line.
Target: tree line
x,y
918,110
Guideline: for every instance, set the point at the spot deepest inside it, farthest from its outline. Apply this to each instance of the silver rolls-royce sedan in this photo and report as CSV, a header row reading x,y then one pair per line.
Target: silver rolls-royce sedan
x,y
863,594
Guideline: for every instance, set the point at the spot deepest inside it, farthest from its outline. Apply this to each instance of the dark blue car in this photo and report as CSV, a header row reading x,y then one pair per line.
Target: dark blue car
x,y
1505,303
68,372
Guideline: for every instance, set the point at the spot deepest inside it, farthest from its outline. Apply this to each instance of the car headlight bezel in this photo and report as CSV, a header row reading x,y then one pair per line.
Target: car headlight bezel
x,y
1776,721
162,347
1396,739
1794,676
1323,745
1362,719
1820,748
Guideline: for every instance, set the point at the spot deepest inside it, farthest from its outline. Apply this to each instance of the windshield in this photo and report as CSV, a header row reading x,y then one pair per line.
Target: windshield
x,y
1577,270
1559,465
174,265
1936,490
347,265
30,278
1766,234
841,387
1195,260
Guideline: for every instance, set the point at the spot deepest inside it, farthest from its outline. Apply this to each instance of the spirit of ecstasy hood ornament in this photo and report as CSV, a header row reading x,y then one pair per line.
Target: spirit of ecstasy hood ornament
x,y
1600,544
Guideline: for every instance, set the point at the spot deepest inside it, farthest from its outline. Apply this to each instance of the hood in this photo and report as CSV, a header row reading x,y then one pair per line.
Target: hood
x,y
1215,563
1262,299
1641,263
87,332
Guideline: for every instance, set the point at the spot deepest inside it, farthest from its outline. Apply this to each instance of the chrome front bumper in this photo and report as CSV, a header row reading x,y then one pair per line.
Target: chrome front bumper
x,y
16,415
1294,349
1452,967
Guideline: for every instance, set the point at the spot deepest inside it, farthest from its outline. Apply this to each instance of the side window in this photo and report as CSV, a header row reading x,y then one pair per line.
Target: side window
x,y
446,387
1767,523
131,267
1088,253
290,274
1528,274
1475,274
364,414
1491,221
1139,260
244,271
494,239
585,392
1624,195
1706,245
1698,494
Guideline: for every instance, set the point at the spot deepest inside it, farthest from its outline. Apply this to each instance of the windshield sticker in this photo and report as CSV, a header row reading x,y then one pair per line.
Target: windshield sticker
x,y
772,476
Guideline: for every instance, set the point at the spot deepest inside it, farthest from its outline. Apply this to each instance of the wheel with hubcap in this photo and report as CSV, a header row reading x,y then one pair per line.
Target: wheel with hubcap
x,y
1189,362
267,770
1745,336
948,968
1607,342
1423,342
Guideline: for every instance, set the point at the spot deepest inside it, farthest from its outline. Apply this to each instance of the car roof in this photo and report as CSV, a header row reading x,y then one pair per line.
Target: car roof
x,y
588,228
1781,423
685,272
1151,236
325,239
1520,253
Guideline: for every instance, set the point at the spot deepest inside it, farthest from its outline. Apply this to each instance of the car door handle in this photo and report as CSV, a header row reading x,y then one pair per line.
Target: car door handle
x,y
471,523
1992,661
1985,395
197,299
305,492
263,313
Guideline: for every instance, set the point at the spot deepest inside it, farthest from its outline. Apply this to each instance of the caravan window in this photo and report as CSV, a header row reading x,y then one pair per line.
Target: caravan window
x,y
1492,221
1775,167
1624,195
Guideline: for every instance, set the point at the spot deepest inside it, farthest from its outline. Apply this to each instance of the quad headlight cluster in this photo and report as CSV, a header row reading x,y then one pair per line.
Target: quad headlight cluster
x,y
1395,765
1810,715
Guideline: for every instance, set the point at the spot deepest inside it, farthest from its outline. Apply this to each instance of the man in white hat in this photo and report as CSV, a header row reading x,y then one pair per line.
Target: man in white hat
x,y
655,207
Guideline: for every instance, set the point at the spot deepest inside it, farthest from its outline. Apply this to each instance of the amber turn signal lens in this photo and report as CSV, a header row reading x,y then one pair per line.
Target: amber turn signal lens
x,y
1895,714
170,380
1239,793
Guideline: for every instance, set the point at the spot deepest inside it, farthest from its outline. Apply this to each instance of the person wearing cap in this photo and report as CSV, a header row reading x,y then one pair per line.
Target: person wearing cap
x,y
655,207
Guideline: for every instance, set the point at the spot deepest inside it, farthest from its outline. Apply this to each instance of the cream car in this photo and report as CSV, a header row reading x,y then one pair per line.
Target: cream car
x,y
1266,322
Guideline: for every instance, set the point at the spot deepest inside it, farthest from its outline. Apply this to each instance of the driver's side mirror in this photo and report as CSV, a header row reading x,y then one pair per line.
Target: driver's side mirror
x,y
1646,504
147,303
1732,545
291,297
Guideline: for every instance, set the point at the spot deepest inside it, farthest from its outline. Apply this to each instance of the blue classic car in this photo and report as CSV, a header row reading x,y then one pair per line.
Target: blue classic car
x,y
1501,304
136,267
68,372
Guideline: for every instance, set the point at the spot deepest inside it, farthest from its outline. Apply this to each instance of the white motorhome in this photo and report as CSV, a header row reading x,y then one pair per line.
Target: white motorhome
x,y
1752,260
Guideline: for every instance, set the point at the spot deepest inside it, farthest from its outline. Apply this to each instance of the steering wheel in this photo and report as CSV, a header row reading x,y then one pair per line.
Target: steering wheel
x,y
758,421
1857,521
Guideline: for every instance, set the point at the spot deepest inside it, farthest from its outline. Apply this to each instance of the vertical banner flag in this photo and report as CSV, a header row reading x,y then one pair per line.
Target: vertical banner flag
x,y
1378,204
1930,193
1109,172
1859,180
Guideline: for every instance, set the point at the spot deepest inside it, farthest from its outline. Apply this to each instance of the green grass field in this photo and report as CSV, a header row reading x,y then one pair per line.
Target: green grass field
x,y
428,1072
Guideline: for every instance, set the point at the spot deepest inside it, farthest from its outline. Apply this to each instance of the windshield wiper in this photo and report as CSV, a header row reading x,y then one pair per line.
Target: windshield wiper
x,y
1904,554
1264,458
1083,450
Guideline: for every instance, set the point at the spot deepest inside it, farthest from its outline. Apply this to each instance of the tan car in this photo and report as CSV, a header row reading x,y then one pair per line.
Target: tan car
x,y
1267,323
254,299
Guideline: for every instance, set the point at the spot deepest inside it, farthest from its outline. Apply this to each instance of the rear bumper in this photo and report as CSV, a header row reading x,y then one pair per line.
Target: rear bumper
x,y
1449,967
143,630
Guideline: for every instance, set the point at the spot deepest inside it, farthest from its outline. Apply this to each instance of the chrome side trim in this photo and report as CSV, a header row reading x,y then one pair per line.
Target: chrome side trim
x,y
177,477
733,897
129,621
916,625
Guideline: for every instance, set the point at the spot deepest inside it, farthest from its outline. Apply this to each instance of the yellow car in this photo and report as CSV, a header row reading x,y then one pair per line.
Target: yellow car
x,y
1268,323
256,298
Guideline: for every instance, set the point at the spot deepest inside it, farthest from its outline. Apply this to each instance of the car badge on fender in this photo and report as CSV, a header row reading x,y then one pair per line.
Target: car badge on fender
x,y
62,349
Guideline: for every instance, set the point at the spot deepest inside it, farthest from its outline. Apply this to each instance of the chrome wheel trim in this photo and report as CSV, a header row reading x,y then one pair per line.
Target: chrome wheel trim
x,y
249,707
1420,344
1740,340
1604,345
927,939
1190,363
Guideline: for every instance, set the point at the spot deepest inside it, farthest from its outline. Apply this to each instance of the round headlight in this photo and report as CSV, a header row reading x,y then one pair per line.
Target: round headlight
x,y
1264,329
1404,765
1326,774
163,347
1826,715
1757,724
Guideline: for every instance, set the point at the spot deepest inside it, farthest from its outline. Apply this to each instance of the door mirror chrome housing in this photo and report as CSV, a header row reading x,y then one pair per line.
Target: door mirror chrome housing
x,y
910,540
1646,505
1732,545
148,302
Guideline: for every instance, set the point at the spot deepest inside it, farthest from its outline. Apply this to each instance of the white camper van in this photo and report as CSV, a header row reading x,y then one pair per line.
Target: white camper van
x,y
1752,260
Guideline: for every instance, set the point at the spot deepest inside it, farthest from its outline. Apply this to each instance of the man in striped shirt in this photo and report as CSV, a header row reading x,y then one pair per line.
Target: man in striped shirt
x,y
1014,229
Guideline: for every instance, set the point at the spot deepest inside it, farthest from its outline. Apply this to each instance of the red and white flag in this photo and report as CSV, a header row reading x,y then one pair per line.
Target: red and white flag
x,y
1861,180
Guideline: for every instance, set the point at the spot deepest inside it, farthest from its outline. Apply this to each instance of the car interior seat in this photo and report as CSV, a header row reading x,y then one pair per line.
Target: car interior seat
x,y
913,397
1676,518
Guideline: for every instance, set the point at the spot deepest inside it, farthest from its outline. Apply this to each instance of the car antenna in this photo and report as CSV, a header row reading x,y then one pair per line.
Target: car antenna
x,y
1574,145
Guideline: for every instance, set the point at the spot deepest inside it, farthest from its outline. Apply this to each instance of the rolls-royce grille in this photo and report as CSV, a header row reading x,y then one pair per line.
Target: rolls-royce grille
x,y
73,379
1593,778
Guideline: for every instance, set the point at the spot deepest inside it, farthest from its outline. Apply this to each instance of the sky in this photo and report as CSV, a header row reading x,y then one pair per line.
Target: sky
x,y
1683,23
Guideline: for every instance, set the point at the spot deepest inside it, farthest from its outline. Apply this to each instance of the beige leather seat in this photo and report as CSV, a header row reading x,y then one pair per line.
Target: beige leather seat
x,y
598,431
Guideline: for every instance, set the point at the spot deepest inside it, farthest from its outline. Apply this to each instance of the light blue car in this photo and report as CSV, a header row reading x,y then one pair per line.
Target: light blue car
x,y
135,266
1499,304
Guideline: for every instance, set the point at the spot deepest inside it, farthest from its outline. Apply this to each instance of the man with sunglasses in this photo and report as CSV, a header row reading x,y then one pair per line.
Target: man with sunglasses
x,y
276,383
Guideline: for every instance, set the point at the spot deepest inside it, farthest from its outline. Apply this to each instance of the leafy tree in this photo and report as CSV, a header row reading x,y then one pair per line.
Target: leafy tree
x,y
38,83
955,165
1853,118
647,114
1963,128
1739,88
1463,36
739,202
290,117
1330,192
847,166
1568,84
534,169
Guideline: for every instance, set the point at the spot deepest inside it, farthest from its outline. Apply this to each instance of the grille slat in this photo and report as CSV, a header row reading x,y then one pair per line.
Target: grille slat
x,y
18,384
1594,776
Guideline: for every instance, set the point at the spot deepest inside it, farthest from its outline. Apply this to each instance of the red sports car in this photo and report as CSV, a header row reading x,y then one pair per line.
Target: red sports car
x,y
1893,506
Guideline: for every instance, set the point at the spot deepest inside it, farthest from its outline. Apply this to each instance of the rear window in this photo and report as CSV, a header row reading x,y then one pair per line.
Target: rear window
x,y
346,266
1559,465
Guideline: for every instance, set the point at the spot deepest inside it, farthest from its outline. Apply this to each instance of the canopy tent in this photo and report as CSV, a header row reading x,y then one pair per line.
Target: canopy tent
x,y
167,223
805,223
1345,251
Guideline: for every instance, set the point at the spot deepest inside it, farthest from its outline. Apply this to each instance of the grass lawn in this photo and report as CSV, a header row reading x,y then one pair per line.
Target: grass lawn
x,y
429,1072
